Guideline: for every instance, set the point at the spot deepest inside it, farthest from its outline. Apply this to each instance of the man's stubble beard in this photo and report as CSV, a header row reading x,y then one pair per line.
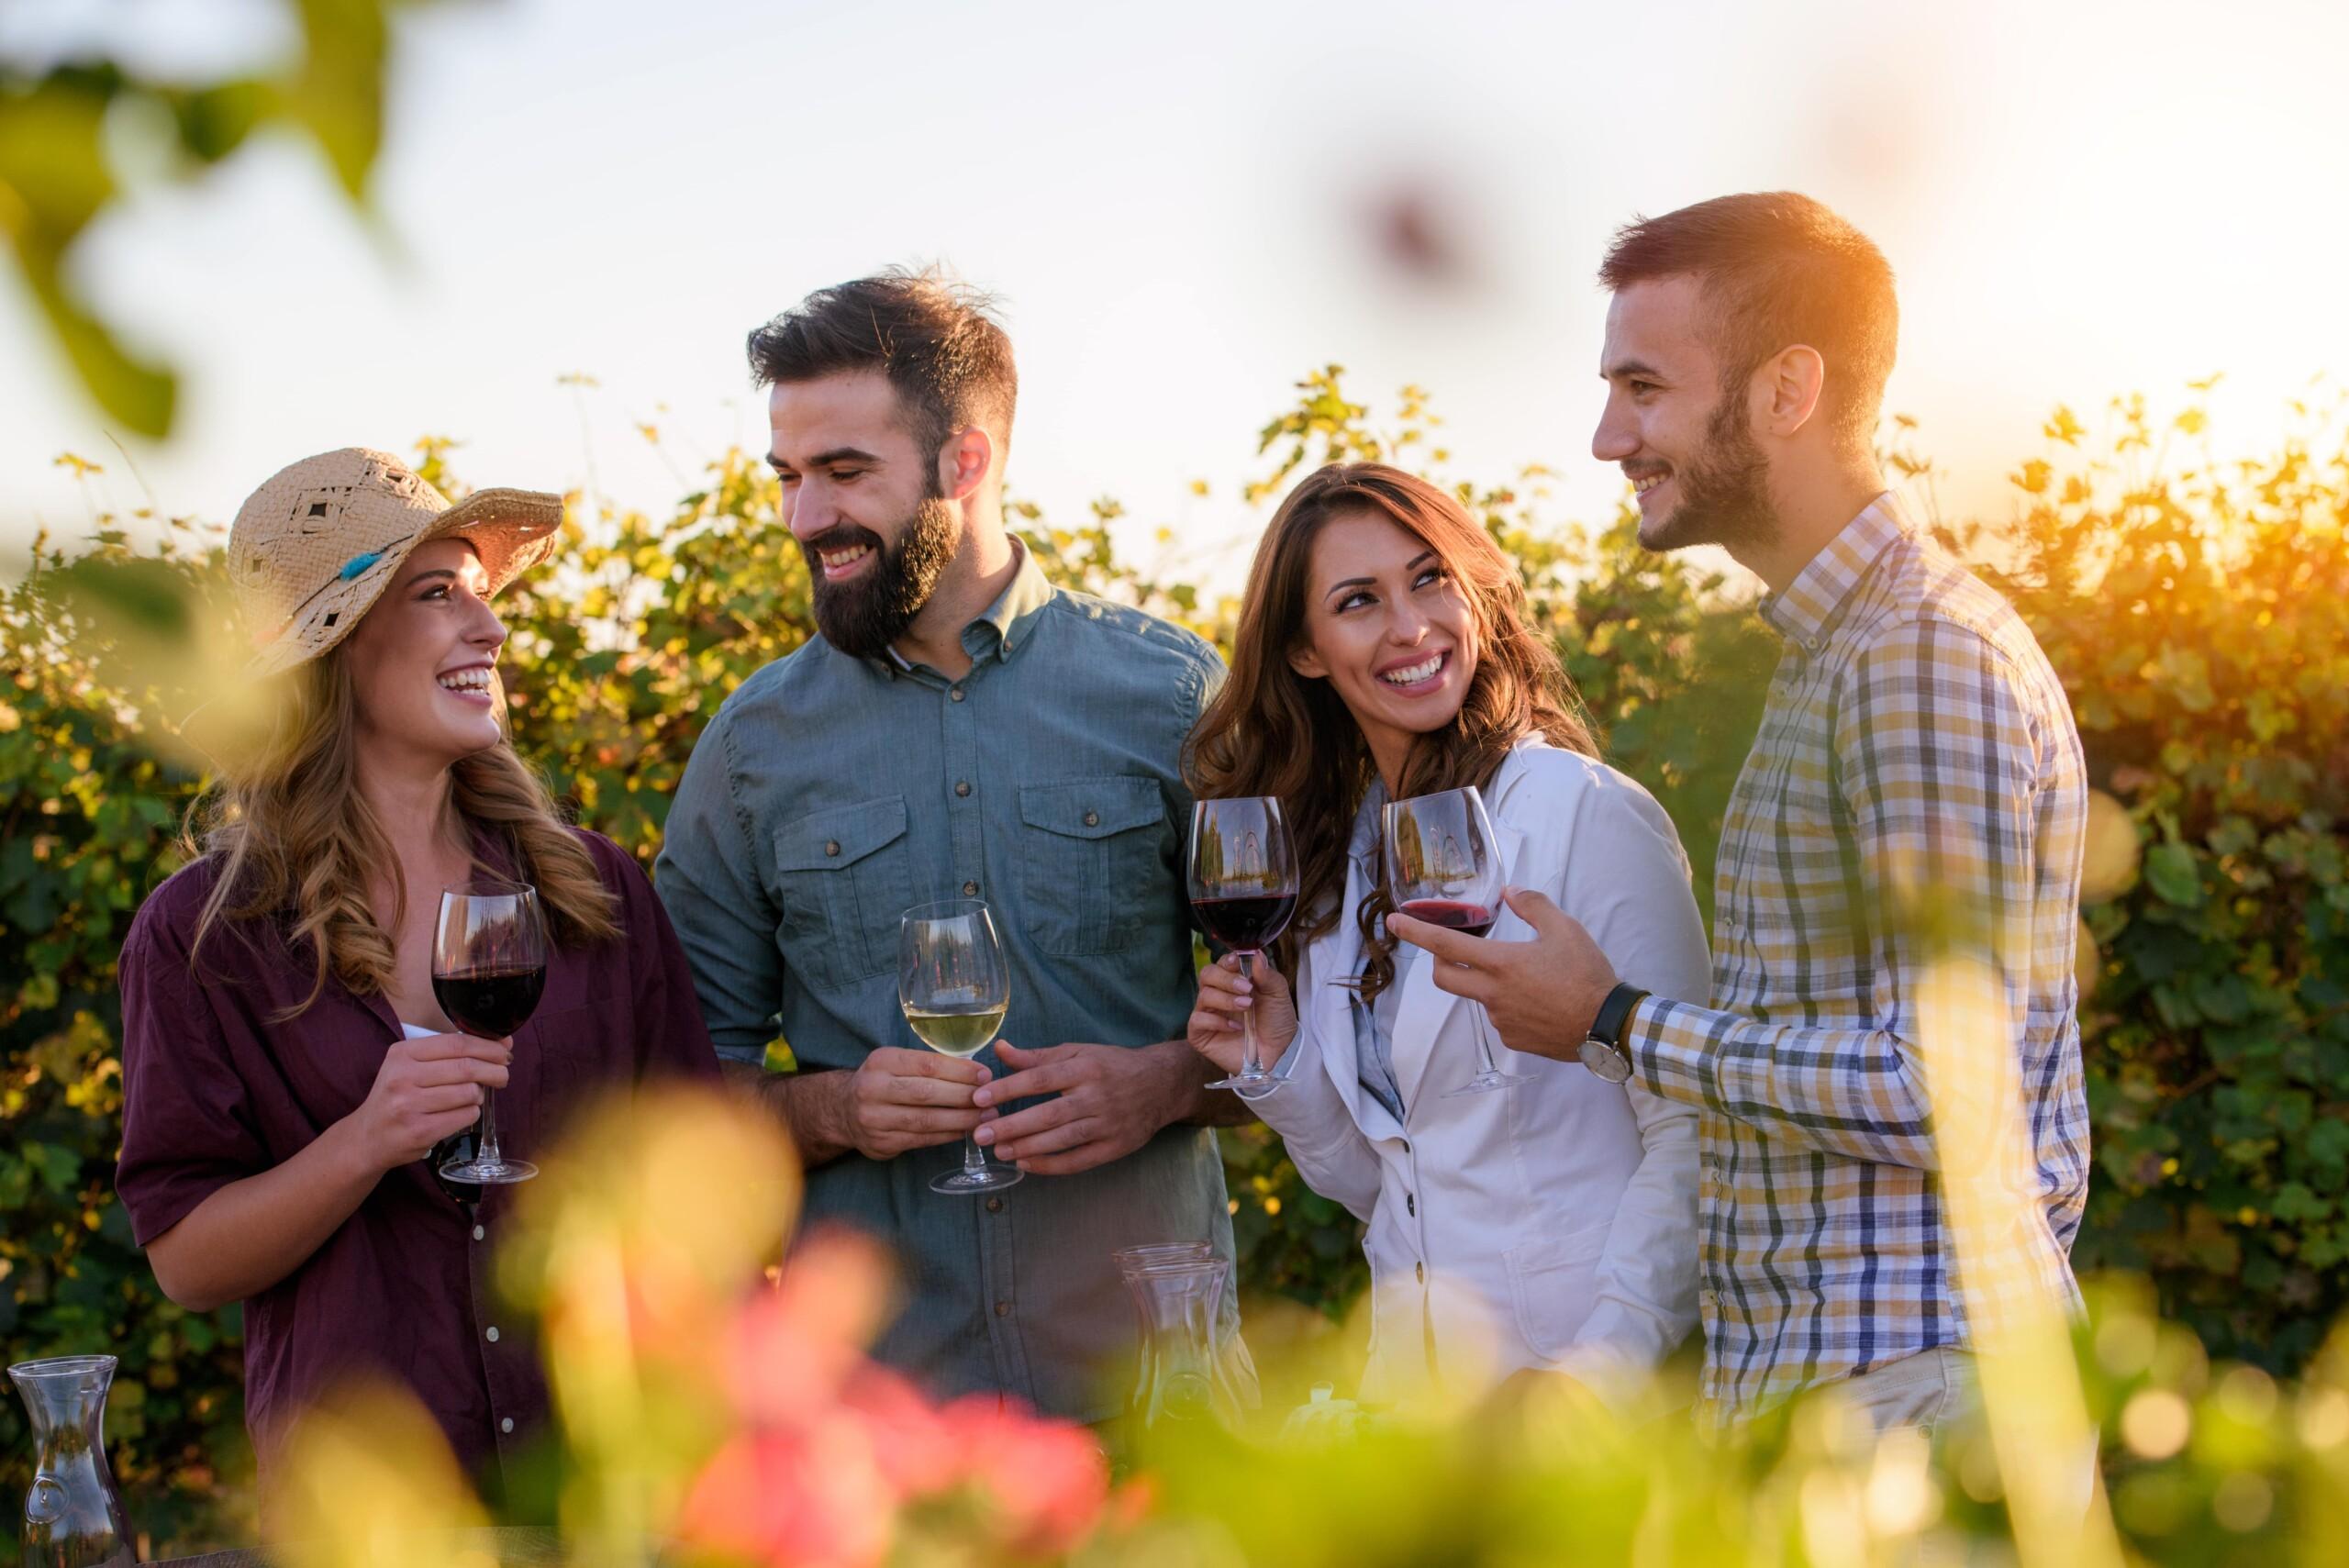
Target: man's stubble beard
x,y
1725,493
865,617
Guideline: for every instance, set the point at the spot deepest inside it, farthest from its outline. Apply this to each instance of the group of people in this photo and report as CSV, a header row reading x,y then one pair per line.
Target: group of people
x,y
1737,1140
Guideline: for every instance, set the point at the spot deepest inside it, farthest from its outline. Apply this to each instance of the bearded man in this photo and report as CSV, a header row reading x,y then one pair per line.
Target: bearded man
x,y
1916,795
960,729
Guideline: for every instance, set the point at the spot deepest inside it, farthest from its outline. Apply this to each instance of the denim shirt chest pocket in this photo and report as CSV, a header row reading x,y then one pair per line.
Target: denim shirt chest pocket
x,y
844,878
1089,862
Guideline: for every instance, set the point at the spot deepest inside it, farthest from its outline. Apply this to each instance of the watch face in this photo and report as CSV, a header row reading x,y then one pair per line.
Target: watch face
x,y
1606,1061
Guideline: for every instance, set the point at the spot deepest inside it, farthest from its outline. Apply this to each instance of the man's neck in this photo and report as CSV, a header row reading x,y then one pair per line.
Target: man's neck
x,y
982,569
1808,514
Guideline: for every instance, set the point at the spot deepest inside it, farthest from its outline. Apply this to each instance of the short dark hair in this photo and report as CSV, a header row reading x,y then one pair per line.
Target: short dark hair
x,y
1778,269
934,337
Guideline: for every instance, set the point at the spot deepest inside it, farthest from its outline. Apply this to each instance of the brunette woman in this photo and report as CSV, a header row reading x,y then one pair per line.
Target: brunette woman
x,y
1383,654
285,1066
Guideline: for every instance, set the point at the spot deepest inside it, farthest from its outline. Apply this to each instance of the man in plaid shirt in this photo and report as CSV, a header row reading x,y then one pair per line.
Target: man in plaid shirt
x,y
1917,758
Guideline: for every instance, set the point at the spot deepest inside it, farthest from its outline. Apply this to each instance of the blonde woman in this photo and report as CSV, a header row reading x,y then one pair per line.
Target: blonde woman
x,y
285,1067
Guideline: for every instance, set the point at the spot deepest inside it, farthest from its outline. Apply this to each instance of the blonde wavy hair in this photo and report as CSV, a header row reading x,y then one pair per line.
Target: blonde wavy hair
x,y
293,835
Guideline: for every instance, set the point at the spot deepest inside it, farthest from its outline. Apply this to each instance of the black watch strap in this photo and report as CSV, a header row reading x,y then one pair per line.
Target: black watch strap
x,y
1615,1012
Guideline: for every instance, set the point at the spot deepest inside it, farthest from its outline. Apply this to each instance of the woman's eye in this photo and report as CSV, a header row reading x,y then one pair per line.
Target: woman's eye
x,y
1351,601
1433,574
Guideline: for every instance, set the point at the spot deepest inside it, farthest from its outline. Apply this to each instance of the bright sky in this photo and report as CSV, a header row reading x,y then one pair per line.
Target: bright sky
x,y
1178,207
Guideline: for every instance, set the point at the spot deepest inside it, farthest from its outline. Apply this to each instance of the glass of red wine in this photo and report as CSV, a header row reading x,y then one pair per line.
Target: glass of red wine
x,y
1243,890
1442,867
489,964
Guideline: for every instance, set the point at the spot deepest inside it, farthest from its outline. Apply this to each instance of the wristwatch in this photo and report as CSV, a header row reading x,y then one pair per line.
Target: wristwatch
x,y
1602,1050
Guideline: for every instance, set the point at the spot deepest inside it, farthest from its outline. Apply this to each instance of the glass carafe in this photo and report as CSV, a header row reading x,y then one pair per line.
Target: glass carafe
x,y
1182,1376
74,1516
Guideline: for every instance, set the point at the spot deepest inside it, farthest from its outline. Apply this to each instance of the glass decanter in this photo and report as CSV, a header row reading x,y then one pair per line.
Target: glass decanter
x,y
73,1516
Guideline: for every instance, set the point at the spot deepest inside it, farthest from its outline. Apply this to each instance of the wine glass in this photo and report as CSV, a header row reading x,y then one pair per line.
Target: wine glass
x,y
1243,890
489,965
1442,868
954,987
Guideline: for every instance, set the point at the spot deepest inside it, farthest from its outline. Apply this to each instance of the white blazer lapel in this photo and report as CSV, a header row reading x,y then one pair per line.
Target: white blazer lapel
x,y
1328,1013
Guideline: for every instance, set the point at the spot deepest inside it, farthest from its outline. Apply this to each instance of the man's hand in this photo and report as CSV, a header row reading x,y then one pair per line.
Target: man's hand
x,y
900,1099
1109,1101
1543,995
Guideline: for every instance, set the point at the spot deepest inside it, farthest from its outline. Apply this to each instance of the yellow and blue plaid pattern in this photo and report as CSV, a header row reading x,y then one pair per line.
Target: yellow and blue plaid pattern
x,y
1917,748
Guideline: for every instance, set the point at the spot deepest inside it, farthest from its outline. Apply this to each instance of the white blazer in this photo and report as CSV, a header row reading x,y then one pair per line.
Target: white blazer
x,y
1551,1224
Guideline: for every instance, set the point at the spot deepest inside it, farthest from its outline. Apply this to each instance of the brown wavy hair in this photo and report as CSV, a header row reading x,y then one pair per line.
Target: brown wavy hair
x,y
1272,731
294,837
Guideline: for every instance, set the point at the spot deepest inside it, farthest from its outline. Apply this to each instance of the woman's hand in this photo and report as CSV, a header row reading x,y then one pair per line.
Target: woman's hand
x,y
1214,1030
427,1089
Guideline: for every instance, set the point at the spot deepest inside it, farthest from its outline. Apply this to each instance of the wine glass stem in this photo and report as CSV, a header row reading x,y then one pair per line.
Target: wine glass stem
x,y
1484,1039
1250,1066
487,1154
975,1164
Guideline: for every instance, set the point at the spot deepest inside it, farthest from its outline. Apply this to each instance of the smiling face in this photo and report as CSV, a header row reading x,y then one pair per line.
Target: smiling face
x,y
865,502
1389,629
424,662
1684,440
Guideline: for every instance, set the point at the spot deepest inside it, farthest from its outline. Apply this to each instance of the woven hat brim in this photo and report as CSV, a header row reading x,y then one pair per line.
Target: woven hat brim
x,y
510,530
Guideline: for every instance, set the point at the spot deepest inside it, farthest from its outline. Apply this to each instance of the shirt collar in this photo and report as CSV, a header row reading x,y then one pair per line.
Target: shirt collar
x,y
1362,844
1802,613
1005,625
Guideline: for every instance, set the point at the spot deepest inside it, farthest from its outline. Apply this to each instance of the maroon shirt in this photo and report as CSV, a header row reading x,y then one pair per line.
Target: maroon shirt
x,y
213,1092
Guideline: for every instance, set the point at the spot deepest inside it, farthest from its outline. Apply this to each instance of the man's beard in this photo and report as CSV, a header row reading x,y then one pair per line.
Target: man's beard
x,y
863,615
1724,491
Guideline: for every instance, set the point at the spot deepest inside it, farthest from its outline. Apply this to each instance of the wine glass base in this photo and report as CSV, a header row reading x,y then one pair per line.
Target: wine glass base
x,y
490,1172
995,1178
1486,1083
1249,1088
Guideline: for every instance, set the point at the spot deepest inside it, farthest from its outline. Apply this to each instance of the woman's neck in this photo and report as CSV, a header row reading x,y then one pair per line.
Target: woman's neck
x,y
414,805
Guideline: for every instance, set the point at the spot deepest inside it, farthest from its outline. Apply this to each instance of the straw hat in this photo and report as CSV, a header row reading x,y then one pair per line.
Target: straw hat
x,y
316,546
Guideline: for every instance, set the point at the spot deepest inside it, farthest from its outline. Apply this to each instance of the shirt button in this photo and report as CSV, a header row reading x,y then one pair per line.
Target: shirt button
x,y
506,1425
956,692
1003,1309
493,1334
1410,1204
831,846
970,890
479,1232
961,786
1421,1270
1093,819
994,1206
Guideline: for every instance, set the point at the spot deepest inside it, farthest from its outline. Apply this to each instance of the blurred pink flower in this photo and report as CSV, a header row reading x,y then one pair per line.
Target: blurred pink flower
x,y
808,1496
1046,1481
795,1346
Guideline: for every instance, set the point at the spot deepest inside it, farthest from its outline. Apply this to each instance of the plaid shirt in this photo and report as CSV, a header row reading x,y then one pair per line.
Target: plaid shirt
x,y
1915,737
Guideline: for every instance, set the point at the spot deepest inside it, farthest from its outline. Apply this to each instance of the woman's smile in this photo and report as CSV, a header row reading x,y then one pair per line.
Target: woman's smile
x,y
1418,675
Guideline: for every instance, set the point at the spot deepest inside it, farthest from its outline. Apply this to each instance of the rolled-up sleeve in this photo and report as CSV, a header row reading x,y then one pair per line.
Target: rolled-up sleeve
x,y
706,876
188,1125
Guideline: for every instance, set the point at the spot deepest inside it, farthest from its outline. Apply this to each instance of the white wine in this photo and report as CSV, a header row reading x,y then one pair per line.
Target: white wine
x,y
957,1032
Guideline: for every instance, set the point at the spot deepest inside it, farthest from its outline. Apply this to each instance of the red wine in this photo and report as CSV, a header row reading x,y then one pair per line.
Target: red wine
x,y
1245,925
1451,914
490,1002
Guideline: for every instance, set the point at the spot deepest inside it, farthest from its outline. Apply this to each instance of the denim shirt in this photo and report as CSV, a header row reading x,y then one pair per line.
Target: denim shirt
x,y
832,793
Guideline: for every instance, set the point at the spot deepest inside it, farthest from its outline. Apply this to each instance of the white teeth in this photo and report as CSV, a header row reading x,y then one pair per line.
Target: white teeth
x,y
1412,674
476,680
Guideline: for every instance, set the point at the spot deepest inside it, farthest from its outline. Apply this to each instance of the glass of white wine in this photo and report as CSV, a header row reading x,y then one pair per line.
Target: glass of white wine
x,y
955,987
